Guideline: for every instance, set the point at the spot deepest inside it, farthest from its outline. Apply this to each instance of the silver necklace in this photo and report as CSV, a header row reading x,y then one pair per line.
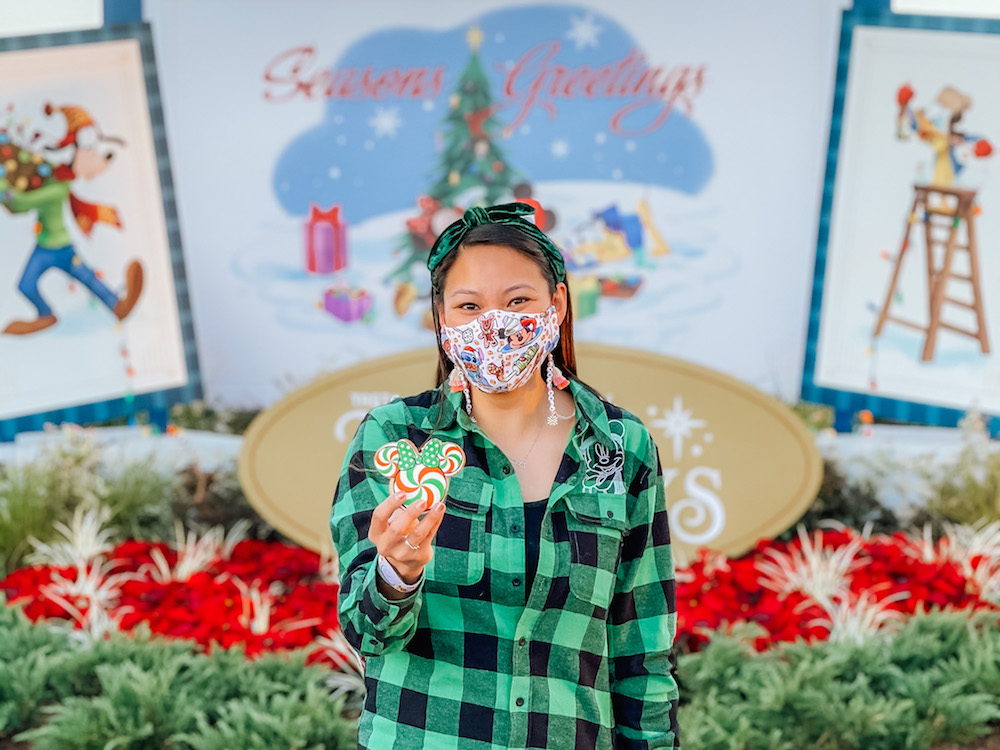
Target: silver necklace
x,y
522,463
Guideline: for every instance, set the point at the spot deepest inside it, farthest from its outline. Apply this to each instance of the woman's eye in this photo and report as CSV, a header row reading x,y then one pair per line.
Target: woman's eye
x,y
517,301
467,306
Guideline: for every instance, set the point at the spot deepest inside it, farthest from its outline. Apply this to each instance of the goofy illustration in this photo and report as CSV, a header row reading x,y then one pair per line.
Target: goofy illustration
x,y
937,125
28,182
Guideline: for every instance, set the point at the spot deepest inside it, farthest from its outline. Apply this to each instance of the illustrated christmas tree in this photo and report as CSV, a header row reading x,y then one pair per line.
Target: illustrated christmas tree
x,y
471,157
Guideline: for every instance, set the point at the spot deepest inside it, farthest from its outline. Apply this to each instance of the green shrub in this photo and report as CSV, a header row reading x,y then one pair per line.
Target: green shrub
x,y
140,497
935,681
28,656
197,415
300,720
18,636
76,674
144,501
24,688
198,701
30,500
969,490
148,693
135,709
215,498
969,494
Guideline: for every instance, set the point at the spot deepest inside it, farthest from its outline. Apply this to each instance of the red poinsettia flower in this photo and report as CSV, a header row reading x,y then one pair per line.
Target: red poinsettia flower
x,y
268,596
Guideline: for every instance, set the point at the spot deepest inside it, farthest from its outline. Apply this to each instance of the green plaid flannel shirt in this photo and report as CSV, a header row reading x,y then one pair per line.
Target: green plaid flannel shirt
x,y
472,660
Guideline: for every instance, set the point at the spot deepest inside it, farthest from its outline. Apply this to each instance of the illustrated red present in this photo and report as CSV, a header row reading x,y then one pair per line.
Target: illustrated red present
x,y
347,304
326,240
421,226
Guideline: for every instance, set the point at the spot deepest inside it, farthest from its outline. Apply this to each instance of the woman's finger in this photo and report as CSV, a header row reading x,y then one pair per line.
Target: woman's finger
x,y
383,511
423,533
404,521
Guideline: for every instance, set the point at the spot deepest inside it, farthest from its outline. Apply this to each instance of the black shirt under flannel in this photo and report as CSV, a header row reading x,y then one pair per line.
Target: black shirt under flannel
x,y
473,660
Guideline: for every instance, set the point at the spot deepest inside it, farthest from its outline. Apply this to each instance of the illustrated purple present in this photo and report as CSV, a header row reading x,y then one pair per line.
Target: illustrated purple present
x,y
349,305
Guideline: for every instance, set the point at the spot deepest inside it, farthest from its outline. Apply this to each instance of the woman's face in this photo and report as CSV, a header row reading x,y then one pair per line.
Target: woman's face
x,y
492,277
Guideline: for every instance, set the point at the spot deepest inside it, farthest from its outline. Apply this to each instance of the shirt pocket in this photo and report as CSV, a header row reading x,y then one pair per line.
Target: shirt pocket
x,y
595,525
460,544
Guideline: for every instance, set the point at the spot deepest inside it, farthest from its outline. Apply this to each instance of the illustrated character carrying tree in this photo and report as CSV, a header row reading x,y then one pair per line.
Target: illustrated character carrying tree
x,y
28,182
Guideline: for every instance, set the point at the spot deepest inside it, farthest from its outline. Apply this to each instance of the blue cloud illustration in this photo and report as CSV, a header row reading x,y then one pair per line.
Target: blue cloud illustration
x,y
374,156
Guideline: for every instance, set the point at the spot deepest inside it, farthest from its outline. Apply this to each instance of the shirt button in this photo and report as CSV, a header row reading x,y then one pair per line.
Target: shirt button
x,y
519,701
522,642
506,469
516,582
514,528
611,514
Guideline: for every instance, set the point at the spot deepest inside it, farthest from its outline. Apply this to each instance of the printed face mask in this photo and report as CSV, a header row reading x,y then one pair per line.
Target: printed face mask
x,y
499,351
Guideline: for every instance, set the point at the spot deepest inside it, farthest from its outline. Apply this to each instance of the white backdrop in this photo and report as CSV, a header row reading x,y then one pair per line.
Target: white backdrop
x,y
732,295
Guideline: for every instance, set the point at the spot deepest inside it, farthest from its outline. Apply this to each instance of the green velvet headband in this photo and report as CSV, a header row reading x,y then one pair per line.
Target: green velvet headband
x,y
509,214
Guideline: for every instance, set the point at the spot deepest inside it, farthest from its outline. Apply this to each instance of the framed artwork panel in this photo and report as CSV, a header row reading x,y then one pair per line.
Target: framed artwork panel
x,y
94,314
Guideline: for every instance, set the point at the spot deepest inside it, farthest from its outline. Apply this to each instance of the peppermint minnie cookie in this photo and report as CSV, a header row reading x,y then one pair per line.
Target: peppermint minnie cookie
x,y
422,475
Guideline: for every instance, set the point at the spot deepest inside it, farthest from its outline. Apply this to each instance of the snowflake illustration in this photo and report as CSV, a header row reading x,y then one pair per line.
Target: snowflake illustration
x,y
583,31
385,121
678,424
560,149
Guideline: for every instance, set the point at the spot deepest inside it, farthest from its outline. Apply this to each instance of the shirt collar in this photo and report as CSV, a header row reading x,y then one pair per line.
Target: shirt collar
x,y
593,409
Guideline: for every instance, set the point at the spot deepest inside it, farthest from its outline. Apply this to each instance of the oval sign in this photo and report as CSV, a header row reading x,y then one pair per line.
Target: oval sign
x,y
738,465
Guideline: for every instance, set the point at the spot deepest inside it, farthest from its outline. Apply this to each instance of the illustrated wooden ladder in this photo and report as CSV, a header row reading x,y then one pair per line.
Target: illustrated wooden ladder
x,y
957,206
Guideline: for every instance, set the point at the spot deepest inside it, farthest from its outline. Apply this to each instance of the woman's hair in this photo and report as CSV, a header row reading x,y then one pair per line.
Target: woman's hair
x,y
504,235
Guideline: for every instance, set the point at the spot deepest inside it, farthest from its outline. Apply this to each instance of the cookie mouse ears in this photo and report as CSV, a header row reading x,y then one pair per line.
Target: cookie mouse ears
x,y
422,475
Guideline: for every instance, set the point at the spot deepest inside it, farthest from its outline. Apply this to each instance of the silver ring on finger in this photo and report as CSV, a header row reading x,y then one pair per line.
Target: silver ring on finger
x,y
406,539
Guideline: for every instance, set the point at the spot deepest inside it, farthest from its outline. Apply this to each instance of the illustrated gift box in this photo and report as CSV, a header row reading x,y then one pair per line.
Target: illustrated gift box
x,y
326,240
347,304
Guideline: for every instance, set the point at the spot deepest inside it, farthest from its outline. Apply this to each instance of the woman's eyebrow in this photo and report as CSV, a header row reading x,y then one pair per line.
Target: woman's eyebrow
x,y
508,290
522,285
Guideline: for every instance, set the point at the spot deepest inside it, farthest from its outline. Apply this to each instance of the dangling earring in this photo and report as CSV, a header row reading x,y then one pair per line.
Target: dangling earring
x,y
456,381
558,379
553,418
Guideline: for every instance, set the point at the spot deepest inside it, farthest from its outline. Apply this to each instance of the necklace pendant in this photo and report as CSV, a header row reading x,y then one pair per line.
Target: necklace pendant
x,y
552,420
521,463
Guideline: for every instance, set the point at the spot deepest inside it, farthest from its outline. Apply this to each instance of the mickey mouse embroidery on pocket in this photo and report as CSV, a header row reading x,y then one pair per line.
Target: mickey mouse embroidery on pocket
x,y
605,466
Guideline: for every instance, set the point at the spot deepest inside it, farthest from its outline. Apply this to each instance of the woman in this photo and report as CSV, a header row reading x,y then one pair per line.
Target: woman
x,y
535,608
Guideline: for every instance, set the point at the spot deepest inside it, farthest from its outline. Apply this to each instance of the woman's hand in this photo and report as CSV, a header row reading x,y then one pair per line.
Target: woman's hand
x,y
393,525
